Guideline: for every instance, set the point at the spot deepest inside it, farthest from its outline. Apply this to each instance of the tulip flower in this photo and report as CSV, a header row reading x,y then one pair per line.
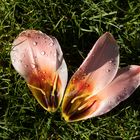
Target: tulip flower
x,y
38,58
95,88
99,85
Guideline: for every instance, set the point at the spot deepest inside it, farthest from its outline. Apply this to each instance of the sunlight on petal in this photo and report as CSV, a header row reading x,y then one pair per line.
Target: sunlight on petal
x,y
38,58
86,94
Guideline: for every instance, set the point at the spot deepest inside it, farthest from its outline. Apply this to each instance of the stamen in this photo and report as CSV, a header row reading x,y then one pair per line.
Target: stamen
x,y
80,96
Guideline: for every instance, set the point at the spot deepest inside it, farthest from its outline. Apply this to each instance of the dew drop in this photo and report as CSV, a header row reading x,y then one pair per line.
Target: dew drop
x,y
13,48
108,70
42,53
40,32
33,66
86,85
14,60
45,38
25,66
82,78
35,43
51,44
42,79
73,80
125,90
81,70
29,35
130,67
112,61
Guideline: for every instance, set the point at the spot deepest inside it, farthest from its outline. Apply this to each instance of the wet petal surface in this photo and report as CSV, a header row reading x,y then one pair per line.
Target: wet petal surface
x,y
38,58
95,73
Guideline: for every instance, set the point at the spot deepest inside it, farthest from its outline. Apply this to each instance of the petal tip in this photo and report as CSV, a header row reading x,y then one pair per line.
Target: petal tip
x,y
109,36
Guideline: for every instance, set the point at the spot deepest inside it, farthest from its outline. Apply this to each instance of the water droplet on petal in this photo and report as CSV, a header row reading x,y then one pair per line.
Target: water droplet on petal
x,y
14,60
43,79
110,61
125,90
51,44
25,66
82,77
35,43
40,32
86,85
13,48
33,65
23,33
42,53
29,35
108,70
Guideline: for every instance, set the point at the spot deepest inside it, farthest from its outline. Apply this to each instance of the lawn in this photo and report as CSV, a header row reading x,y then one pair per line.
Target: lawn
x,y
77,24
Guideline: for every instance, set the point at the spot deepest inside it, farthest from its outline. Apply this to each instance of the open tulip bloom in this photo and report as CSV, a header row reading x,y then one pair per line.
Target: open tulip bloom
x,y
95,88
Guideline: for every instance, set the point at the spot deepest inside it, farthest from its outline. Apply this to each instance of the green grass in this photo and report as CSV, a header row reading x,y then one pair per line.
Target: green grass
x,y
77,24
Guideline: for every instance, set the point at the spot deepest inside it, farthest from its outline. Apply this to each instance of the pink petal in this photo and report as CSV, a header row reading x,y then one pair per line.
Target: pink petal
x,y
102,62
33,49
124,84
95,73
38,58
